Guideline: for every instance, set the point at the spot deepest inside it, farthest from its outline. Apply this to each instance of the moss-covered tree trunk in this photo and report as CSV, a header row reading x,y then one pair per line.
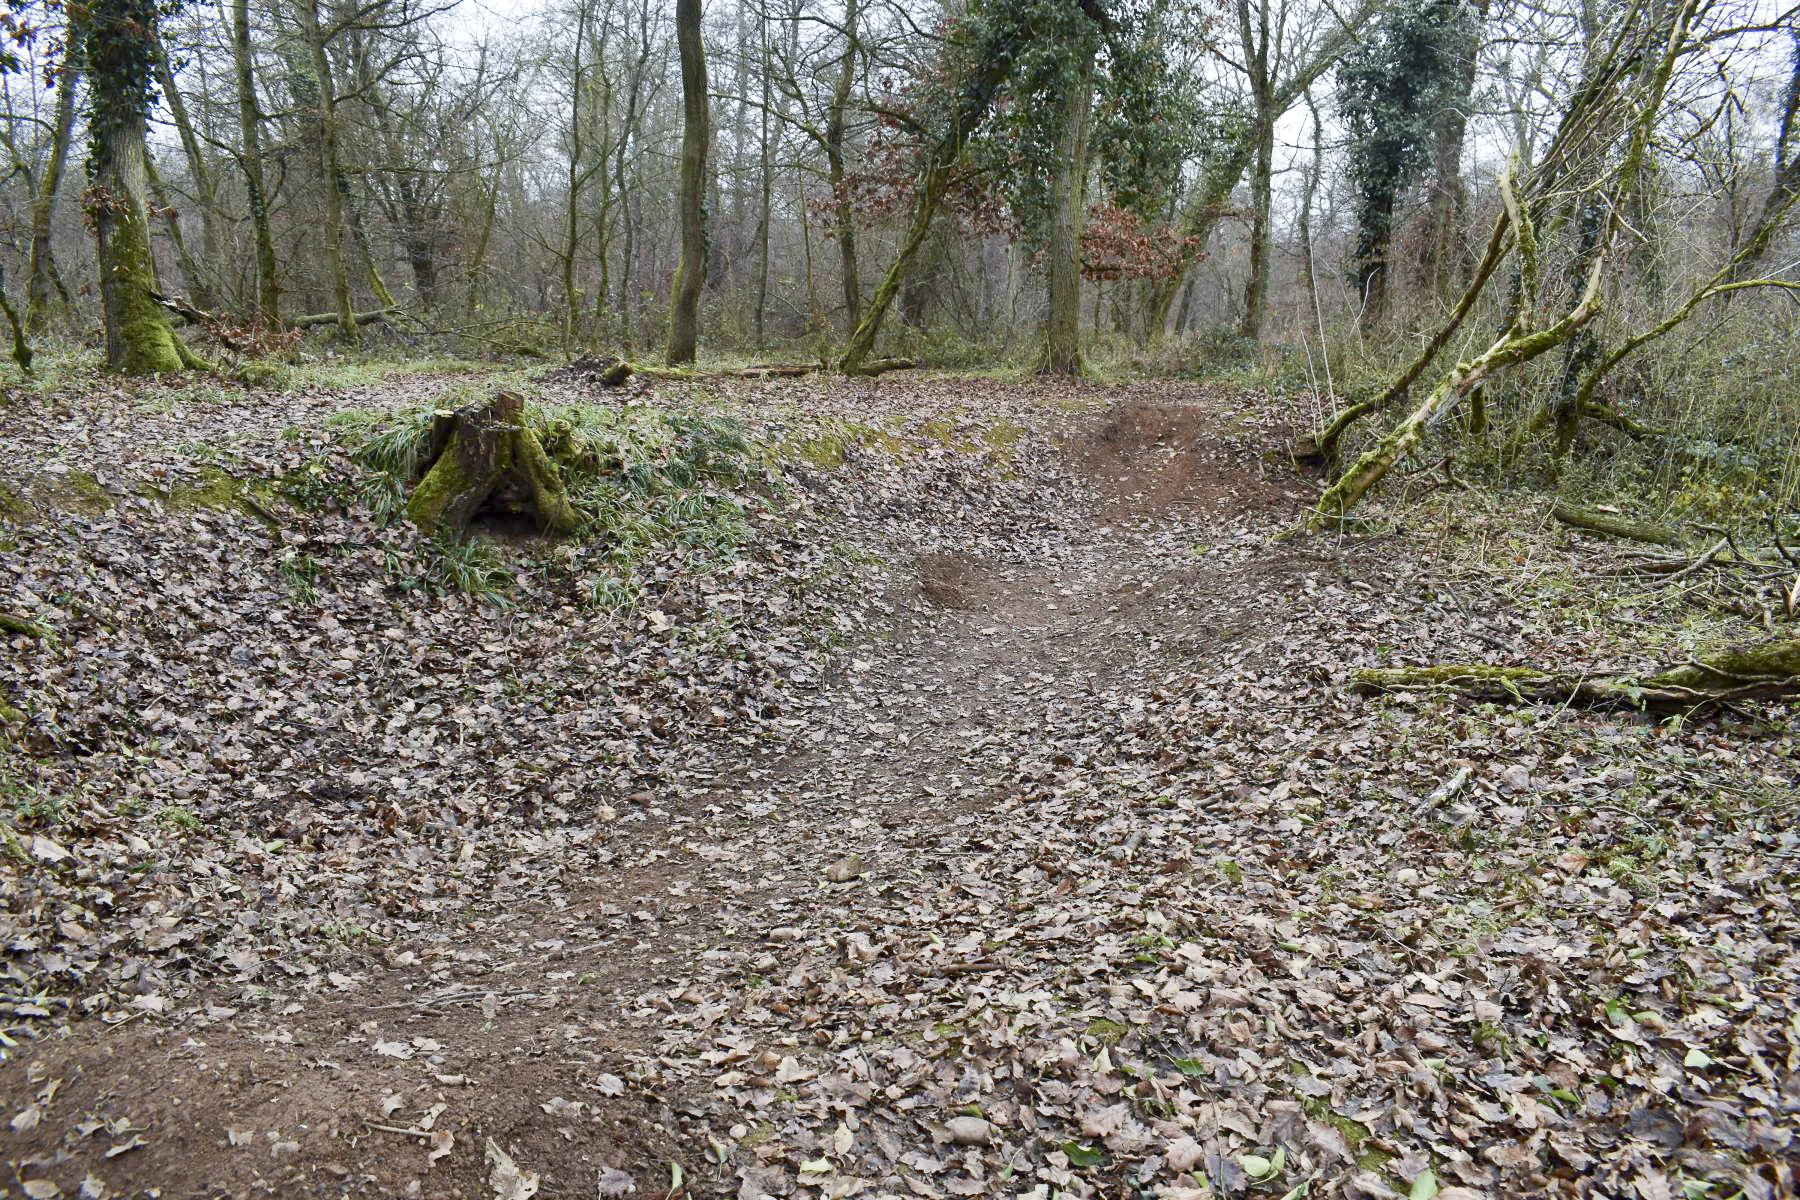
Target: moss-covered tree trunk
x,y
1062,324
993,61
696,133
834,160
139,337
1518,344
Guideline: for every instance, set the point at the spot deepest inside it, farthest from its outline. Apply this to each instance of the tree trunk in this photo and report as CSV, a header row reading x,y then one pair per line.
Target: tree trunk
x,y
1068,198
993,61
1581,350
1262,176
834,164
206,268
690,272
193,278
621,157
572,193
1253,38
21,348
1612,526
1786,182
1206,203
1372,262
421,255
41,278
324,138
489,210
268,291
1446,261
766,172
139,338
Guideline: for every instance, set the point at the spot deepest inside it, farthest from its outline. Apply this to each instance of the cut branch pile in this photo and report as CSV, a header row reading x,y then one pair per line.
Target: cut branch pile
x,y
1767,670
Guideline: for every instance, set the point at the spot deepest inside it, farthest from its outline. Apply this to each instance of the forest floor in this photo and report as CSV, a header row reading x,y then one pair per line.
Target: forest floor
x,y
992,820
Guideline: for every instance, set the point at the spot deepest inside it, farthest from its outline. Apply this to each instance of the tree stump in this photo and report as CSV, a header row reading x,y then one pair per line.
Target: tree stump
x,y
488,455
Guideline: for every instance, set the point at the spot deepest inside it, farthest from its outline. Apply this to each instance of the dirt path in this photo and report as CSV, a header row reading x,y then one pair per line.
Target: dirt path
x,y
1066,879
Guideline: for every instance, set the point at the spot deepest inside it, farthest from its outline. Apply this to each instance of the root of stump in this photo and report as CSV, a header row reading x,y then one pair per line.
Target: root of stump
x,y
1767,670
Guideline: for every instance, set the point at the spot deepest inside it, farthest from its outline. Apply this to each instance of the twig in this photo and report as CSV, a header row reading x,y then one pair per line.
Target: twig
x,y
1718,548
1775,531
464,997
424,1133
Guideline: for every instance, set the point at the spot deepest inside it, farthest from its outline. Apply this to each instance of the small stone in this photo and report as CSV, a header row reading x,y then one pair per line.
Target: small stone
x,y
968,1131
844,869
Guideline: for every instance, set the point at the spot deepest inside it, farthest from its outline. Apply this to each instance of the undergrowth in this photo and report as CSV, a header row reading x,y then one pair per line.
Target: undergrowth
x,y
1717,406
641,480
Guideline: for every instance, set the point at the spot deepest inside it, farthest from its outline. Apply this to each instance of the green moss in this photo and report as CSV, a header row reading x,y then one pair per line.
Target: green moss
x,y
825,451
72,491
1002,435
1776,659
146,342
449,486
1356,1134
219,490
548,496
12,504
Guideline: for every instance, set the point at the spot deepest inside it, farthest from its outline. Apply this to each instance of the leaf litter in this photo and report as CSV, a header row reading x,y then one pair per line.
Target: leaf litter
x,y
983,816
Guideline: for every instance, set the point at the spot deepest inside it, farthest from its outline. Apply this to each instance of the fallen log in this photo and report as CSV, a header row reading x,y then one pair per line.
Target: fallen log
x,y
311,320
880,366
487,455
775,371
1595,521
1766,670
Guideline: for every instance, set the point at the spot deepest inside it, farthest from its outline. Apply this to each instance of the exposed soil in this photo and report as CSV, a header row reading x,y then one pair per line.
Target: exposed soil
x,y
1078,839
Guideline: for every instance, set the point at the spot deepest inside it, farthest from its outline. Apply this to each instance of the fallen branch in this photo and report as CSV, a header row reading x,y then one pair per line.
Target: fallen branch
x,y
24,627
1630,426
1595,521
312,320
1768,670
775,371
1321,444
1520,343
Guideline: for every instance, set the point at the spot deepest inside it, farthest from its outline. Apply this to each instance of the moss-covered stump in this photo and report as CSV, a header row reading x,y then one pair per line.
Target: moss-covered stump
x,y
1767,670
483,455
